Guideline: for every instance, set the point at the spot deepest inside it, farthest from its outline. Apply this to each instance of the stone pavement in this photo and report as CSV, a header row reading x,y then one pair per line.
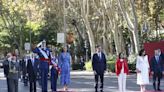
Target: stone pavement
x,y
82,81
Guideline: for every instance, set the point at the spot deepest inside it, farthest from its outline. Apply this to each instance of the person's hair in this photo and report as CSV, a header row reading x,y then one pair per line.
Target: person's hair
x,y
97,46
62,49
141,52
119,55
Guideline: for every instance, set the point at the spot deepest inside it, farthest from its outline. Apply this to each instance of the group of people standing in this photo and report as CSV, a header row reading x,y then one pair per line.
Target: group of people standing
x,y
58,64
61,65
47,60
144,69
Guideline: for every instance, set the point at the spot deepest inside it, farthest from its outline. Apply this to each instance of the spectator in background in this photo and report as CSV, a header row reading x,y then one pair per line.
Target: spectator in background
x,y
82,62
121,71
157,68
13,74
6,69
32,72
24,70
142,69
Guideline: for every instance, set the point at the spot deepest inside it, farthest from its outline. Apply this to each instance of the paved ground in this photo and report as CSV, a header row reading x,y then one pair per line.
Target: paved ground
x,y
82,81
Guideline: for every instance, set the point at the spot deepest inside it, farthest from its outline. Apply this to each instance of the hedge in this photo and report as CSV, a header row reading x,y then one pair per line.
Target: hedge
x,y
88,66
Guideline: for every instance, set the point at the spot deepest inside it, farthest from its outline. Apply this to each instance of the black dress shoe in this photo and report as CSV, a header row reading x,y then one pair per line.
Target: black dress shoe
x,y
101,90
159,90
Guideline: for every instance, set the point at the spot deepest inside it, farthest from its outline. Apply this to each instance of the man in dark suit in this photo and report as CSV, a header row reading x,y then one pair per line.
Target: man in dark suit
x,y
24,71
32,72
6,69
157,68
99,67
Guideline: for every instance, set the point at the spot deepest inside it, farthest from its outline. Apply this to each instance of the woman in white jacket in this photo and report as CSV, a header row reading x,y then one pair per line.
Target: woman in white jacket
x,y
142,69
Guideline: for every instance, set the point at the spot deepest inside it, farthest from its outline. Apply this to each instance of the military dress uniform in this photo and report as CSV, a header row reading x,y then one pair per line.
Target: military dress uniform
x,y
44,59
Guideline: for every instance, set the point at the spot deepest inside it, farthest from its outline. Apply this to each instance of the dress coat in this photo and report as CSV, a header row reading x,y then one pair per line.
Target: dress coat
x,y
142,64
64,64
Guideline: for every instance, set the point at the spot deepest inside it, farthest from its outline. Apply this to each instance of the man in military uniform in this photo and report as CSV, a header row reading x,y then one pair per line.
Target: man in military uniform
x,y
44,58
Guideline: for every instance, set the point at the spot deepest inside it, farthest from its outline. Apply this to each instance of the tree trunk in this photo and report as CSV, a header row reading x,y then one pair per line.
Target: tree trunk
x,y
105,45
135,32
90,35
117,41
122,40
85,13
132,25
110,39
135,40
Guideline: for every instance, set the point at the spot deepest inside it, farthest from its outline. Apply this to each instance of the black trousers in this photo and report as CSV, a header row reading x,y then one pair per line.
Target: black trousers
x,y
97,80
8,84
33,86
54,77
157,77
13,85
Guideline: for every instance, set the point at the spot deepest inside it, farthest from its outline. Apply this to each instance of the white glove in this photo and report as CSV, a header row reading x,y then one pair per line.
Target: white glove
x,y
50,67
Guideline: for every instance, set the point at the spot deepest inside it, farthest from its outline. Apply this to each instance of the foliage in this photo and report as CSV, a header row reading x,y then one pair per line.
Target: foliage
x,y
132,67
132,58
132,62
88,65
110,23
111,60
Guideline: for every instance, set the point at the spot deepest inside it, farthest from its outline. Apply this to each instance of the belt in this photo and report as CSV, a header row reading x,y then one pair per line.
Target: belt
x,y
44,59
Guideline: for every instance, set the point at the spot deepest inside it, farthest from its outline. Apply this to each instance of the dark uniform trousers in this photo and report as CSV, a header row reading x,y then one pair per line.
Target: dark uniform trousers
x,y
54,77
33,86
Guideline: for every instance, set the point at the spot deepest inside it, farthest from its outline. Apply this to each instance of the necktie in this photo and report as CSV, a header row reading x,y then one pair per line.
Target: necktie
x,y
100,55
157,58
33,62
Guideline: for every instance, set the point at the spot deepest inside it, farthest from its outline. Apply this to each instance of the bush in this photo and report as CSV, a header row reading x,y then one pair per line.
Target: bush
x,y
88,65
111,66
132,62
132,67
111,63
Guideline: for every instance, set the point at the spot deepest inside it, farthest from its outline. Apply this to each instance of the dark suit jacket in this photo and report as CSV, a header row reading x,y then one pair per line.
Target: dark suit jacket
x,y
99,65
6,67
32,70
24,67
157,67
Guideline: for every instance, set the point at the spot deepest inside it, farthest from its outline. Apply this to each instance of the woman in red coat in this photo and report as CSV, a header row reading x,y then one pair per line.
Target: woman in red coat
x,y
121,71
